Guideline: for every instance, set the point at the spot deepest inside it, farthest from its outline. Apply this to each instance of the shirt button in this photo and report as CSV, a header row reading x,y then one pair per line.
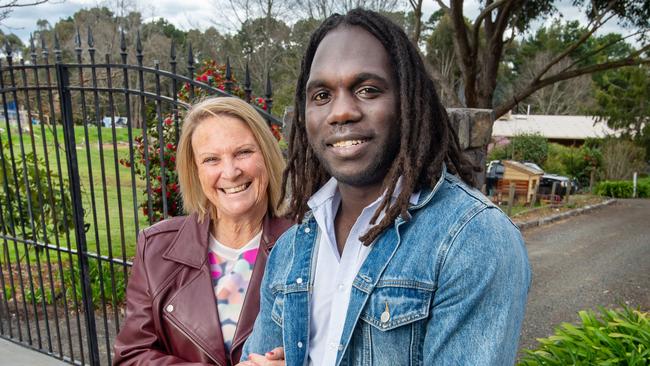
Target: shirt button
x,y
341,287
299,344
299,280
169,308
307,230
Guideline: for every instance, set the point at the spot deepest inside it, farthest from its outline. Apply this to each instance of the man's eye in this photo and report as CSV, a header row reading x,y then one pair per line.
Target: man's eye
x,y
368,91
320,96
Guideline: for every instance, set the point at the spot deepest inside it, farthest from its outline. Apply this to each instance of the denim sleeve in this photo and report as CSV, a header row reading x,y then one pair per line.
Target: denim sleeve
x,y
480,300
266,334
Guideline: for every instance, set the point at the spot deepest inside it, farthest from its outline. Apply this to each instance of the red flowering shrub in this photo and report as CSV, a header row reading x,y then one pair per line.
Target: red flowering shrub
x,y
212,74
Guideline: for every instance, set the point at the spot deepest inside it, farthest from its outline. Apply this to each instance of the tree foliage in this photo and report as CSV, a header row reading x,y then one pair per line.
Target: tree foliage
x,y
480,45
623,103
529,147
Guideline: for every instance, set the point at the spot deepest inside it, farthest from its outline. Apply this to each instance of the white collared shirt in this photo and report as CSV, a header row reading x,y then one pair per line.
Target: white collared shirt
x,y
334,273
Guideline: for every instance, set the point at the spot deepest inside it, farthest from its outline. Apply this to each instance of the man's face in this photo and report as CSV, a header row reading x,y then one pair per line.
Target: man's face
x,y
351,107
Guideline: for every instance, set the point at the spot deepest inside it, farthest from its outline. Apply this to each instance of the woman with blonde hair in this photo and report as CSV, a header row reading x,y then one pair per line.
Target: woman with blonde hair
x,y
193,294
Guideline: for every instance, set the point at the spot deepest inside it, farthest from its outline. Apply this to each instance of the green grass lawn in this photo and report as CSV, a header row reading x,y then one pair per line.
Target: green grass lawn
x,y
107,234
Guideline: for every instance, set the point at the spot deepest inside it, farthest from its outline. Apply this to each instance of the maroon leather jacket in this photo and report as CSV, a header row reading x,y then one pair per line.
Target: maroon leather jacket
x,y
171,314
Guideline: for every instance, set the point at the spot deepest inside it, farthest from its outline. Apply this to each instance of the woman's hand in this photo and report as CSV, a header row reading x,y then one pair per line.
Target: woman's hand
x,y
272,358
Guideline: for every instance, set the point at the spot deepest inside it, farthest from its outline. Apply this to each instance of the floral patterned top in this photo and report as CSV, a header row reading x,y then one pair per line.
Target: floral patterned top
x,y
231,271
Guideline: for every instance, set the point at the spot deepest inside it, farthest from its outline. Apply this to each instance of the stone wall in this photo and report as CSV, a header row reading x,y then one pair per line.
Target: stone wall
x,y
474,128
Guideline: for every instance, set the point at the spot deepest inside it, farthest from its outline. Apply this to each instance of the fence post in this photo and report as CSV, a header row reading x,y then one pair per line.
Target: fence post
x,y
511,197
535,191
63,83
553,190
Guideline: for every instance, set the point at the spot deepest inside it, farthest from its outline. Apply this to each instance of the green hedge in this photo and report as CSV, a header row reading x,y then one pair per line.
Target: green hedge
x,y
613,337
624,188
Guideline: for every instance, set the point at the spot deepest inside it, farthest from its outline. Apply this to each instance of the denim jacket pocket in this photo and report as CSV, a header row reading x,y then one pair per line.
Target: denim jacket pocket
x,y
393,304
278,305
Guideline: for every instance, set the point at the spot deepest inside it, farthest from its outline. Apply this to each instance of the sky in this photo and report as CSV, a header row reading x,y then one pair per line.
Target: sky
x,y
190,14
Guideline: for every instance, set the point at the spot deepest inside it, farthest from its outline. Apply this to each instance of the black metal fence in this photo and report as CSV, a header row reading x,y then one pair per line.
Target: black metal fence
x,y
79,180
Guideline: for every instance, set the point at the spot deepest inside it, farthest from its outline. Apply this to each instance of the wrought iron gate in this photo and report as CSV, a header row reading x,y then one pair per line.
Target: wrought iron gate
x,y
78,181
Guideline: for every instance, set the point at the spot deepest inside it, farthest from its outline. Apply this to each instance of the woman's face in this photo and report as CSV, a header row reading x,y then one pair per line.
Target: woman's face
x,y
231,167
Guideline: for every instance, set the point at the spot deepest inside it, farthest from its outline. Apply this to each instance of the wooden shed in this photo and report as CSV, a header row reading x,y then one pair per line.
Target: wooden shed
x,y
526,180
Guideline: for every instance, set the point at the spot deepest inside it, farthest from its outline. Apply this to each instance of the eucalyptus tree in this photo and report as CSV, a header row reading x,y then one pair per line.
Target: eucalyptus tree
x,y
481,43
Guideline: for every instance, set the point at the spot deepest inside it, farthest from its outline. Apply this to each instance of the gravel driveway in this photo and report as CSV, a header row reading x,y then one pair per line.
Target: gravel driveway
x,y
599,258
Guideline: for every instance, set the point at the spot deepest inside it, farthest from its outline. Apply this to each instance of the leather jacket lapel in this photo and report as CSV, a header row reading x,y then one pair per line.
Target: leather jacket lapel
x,y
190,246
198,319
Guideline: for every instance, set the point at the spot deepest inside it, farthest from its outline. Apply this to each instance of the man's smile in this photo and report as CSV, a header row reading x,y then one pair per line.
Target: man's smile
x,y
347,143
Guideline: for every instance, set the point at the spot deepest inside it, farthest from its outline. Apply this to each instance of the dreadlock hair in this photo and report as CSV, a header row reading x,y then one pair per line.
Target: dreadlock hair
x,y
427,139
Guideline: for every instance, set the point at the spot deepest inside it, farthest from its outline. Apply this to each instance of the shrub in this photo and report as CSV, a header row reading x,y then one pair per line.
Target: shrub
x,y
576,162
530,147
49,207
499,152
621,158
99,280
613,337
624,189
554,163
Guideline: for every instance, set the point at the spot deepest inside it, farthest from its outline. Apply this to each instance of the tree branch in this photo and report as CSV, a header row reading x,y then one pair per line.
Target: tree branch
x,y
599,49
596,25
16,4
443,6
565,75
484,13
443,82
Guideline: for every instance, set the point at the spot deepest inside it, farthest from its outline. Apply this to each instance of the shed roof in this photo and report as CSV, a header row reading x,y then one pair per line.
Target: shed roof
x,y
522,167
551,127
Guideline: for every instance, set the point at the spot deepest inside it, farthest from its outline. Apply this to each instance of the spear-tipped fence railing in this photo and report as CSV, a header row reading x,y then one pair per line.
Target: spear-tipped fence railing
x,y
72,201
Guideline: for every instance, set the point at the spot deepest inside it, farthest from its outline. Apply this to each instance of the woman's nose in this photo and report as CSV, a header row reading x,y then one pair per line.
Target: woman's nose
x,y
231,169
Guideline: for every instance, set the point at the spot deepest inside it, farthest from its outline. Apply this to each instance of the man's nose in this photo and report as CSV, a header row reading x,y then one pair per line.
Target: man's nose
x,y
344,109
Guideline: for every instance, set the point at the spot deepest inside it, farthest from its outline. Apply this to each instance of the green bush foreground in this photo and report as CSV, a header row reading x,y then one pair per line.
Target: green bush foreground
x,y
613,337
624,188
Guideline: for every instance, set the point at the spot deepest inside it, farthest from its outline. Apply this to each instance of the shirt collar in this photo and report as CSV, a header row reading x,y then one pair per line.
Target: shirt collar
x,y
330,190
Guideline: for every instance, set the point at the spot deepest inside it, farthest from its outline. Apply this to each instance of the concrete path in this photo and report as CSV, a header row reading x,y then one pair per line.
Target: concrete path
x,y
12,354
599,258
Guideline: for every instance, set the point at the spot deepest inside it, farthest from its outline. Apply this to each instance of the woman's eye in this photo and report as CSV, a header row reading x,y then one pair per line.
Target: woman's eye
x,y
210,159
244,152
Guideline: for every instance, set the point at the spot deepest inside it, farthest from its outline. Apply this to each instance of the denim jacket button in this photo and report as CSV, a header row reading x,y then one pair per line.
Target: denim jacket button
x,y
307,230
299,344
299,280
385,317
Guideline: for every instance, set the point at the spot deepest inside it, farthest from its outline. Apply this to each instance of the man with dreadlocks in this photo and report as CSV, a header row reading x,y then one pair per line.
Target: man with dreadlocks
x,y
395,260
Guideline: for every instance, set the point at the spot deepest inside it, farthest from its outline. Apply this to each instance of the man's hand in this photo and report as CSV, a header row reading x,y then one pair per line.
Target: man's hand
x,y
272,358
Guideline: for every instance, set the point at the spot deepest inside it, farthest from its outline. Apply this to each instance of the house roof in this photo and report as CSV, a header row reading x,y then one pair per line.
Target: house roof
x,y
522,168
551,127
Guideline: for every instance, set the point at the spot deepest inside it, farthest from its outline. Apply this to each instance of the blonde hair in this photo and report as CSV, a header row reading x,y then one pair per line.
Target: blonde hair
x,y
194,200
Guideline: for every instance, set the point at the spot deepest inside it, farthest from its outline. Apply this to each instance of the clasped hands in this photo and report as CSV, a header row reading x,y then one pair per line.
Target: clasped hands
x,y
274,357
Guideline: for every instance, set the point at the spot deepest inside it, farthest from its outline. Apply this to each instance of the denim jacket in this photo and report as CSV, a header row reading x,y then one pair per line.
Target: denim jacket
x,y
446,287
